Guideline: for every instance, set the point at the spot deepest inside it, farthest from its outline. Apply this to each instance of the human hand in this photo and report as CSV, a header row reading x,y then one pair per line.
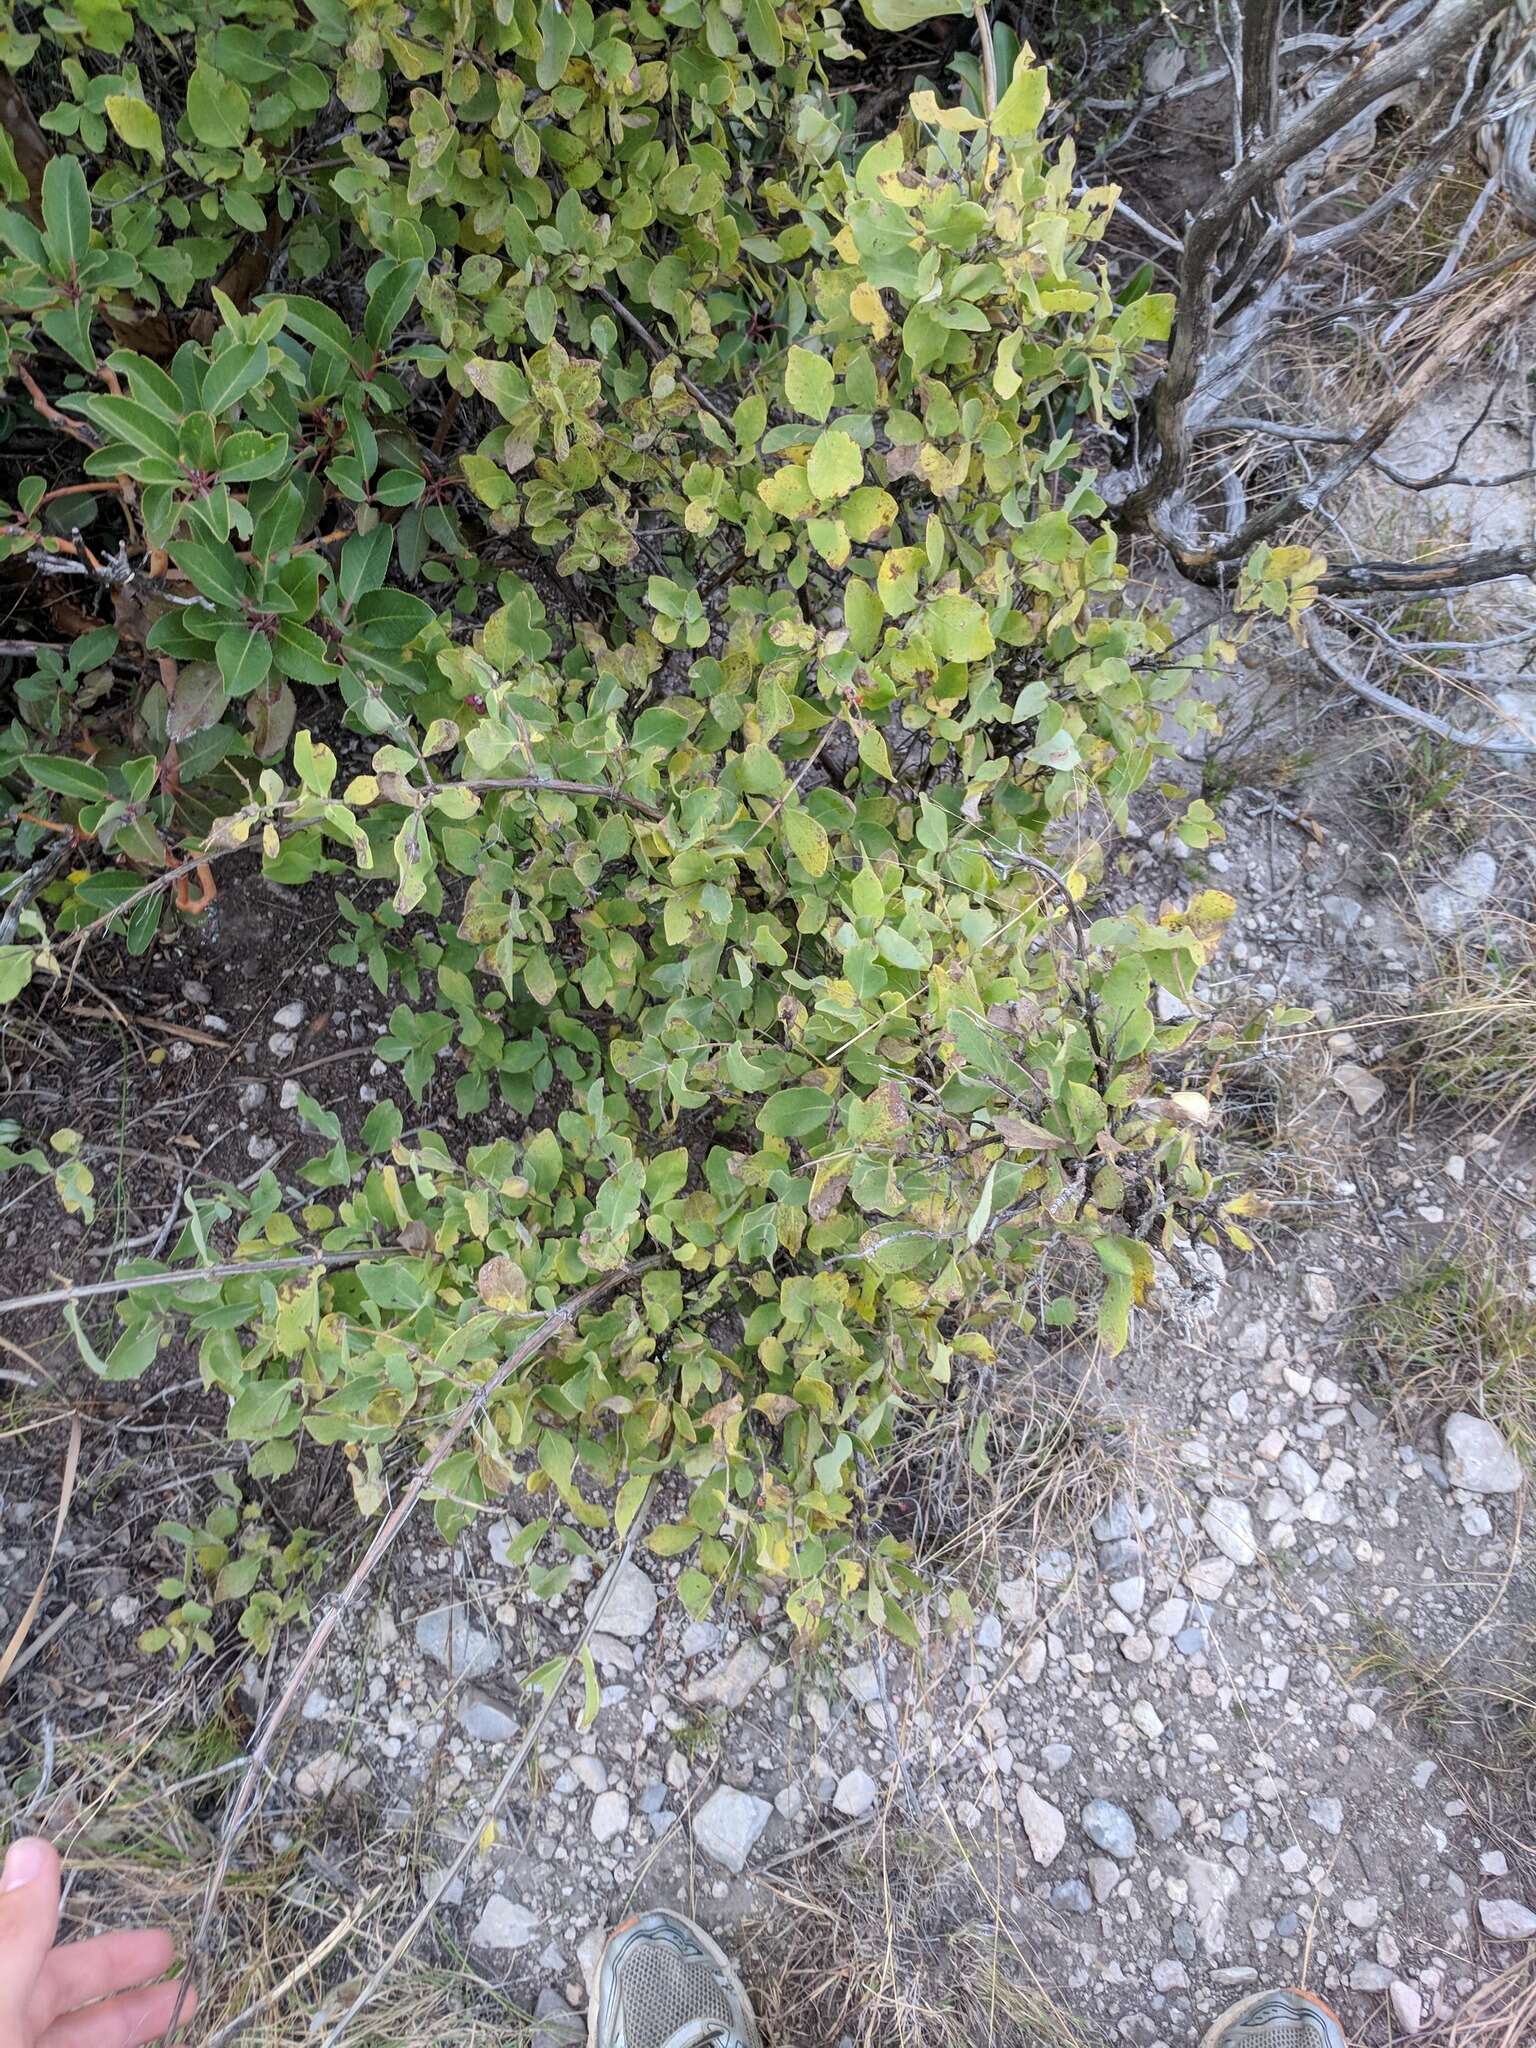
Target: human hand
x,y
75,1995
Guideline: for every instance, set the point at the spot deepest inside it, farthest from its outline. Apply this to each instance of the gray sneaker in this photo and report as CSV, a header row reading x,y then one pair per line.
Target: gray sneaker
x,y
1277,2019
662,1983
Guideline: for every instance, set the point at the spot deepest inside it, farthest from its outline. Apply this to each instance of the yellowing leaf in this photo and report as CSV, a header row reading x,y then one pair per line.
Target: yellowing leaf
x,y
868,512
835,467
957,629
867,307
943,474
808,382
874,753
806,840
137,123
829,537
955,120
1005,378
502,1284
786,491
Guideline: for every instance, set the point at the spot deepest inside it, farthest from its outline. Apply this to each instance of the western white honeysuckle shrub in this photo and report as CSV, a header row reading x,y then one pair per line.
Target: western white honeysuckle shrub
x,y
753,888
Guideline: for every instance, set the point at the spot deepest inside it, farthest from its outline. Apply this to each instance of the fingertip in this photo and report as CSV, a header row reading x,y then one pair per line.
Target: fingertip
x,y
28,1859
29,1912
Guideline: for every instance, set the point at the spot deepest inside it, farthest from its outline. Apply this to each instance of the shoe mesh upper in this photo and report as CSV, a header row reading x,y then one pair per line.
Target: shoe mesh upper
x,y
661,1989
1284,2033
1282,2021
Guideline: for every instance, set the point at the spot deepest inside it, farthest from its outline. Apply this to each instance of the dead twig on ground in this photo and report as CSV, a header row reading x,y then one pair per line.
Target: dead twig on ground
x,y
12,1650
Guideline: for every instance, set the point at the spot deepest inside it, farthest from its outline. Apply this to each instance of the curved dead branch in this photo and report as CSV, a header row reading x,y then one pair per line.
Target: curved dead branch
x,y
1432,578
1449,28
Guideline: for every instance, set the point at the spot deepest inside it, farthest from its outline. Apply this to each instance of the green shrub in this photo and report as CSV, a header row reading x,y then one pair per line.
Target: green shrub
x,y
232,1560
750,885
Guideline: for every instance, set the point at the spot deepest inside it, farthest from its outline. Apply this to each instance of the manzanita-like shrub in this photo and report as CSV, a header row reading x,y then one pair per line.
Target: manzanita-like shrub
x,y
738,849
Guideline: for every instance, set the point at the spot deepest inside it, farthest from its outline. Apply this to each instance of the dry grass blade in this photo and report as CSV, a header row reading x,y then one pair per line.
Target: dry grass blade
x,y
301,1973
23,1627
1499,2014
1469,1045
1460,1333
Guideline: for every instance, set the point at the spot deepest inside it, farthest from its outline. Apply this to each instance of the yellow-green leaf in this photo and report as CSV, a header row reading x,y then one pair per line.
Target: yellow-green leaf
x,y
786,491
806,840
1020,109
957,629
897,16
137,123
835,467
808,382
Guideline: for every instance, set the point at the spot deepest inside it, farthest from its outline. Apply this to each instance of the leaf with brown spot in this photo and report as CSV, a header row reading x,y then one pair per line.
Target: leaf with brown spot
x,y
271,711
1024,1136
826,1194
502,1284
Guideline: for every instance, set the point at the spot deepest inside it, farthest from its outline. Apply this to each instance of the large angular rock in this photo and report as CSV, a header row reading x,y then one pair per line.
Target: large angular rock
x,y
1045,1826
1506,1919
450,1638
331,1775
1230,1527
856,1793
1449,906
729,1683
485,1719
1477,1457
1110,1828
1212,1888
610,1817
504,1924
629,1607
727,1826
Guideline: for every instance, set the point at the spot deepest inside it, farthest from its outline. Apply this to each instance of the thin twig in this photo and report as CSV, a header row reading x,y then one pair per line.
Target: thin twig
x,y
699,396
178,1277
1332,665
988,59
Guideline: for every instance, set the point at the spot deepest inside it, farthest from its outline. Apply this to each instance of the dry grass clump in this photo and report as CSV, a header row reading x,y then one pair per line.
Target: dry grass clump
x,y
1024,1455
898,1941
1460,1333
1499,2014
1472,1705
307,1909
1469,1044
1274,1134
1414,788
